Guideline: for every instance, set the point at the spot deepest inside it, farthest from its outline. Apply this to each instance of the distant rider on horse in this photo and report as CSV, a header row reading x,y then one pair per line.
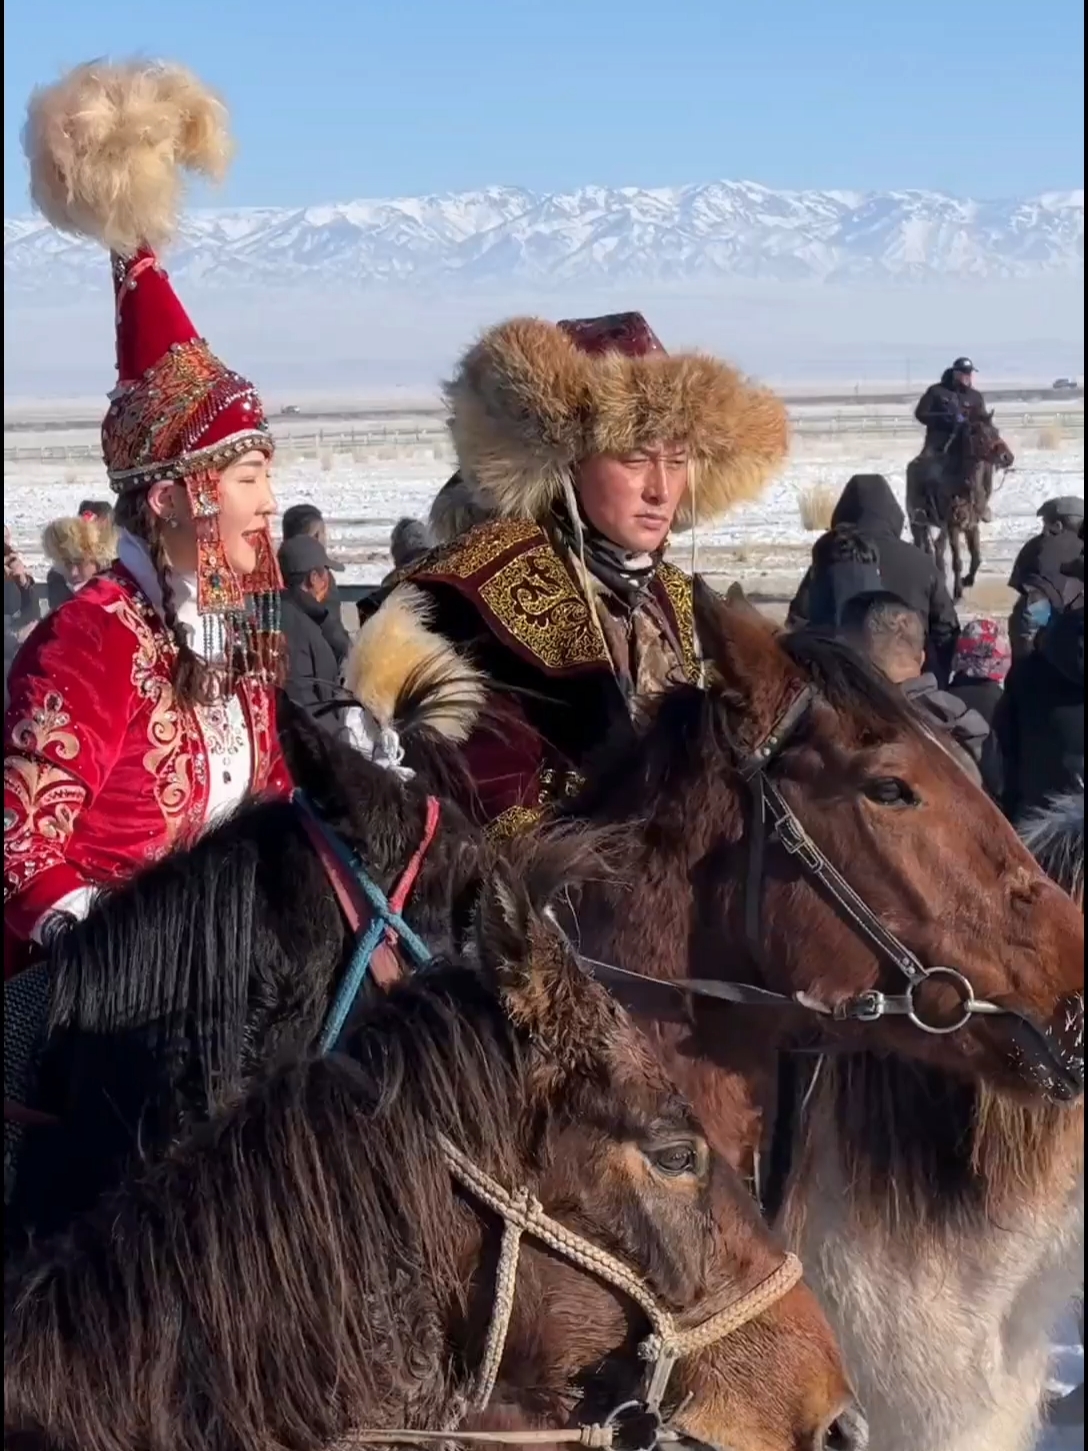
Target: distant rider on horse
x,y
948,408
584,442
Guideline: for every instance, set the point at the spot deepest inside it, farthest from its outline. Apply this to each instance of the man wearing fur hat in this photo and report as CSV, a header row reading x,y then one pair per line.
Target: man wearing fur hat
x,y
585,443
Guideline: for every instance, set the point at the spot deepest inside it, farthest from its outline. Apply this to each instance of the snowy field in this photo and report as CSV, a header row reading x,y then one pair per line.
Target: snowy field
x,y
363,492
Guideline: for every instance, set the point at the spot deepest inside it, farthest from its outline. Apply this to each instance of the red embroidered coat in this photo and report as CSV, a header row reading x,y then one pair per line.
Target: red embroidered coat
x,y
102,773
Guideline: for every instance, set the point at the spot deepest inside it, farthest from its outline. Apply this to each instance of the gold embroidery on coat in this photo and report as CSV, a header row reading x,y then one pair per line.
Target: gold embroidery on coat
x,y
173,748
476,549
678,587
48,795
513,821
535,599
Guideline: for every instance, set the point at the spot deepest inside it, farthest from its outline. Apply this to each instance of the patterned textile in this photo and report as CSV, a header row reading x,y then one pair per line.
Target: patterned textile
x,y
982,651
512,600
103,774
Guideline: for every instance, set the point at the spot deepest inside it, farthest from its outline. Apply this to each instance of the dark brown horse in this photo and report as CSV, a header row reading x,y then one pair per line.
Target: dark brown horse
x,y
185,983
745,806
948,496
325,1257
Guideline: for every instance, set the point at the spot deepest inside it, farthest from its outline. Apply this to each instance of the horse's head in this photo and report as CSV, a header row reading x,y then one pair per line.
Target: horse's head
x,y
986,445
619,1159
929,856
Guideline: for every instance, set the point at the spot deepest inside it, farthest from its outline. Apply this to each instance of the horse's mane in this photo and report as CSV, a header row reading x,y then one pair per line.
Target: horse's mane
x,y
221,953
686,734
1055,837
273,1264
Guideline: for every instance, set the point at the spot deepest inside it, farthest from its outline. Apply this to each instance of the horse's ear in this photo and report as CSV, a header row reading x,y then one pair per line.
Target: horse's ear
x,y
543,988
736,599
740,644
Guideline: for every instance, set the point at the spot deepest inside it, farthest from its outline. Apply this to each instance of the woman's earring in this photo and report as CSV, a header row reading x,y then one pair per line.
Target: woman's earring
x,y
171,522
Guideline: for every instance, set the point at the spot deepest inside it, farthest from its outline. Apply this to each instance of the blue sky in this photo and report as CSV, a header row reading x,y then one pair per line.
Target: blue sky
x,y
339,100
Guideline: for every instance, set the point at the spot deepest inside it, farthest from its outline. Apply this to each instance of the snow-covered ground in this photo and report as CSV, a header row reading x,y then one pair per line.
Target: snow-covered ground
x,y
363,493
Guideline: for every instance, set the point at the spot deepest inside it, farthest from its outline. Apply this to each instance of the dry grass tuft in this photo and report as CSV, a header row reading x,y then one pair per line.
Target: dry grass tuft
x,y
1051,438
816,506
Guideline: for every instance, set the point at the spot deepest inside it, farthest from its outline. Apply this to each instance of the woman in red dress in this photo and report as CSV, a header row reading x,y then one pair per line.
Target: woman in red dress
x,y
144,707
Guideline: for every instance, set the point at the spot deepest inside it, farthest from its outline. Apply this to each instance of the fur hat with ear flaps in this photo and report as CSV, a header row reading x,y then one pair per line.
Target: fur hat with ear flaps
x,y
531,399
108,146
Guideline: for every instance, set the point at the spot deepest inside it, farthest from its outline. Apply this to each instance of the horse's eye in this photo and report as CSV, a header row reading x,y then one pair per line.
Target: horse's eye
x,y
674,1159
890,791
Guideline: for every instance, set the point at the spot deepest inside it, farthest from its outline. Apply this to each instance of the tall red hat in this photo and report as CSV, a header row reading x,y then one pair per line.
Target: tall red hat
x,y
107,146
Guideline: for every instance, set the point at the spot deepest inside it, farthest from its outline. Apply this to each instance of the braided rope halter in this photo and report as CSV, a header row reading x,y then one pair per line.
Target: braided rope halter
x,y
523,1216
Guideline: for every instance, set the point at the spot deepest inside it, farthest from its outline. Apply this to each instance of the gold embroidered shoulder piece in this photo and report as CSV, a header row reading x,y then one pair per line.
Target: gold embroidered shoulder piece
x,y
524,592
680,591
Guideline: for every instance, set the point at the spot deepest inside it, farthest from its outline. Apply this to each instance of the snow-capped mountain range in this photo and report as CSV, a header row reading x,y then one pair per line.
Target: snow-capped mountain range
x,y
506,235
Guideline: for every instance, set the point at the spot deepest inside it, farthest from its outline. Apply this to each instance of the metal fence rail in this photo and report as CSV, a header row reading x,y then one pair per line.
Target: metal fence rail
x,y
395,441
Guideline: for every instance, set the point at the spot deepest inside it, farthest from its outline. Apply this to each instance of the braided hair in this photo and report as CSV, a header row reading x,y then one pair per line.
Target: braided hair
x,y
192,681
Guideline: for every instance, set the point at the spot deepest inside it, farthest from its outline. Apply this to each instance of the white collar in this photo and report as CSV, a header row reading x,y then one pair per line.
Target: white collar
x,y
134,554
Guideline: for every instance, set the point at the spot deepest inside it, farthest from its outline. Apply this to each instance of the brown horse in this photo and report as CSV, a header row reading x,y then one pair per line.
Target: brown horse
x,y
746,806
948,496
324,1258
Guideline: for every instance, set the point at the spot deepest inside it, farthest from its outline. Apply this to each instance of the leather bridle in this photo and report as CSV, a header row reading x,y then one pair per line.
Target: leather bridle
x,y
773,821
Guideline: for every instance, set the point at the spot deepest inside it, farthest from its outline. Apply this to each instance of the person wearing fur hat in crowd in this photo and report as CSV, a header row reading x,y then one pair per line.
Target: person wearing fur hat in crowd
x,y
78,548
979,666
585,444
144,708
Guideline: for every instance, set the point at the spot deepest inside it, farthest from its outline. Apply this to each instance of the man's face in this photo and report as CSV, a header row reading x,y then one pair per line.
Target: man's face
x,y
632,500
966,379
319,585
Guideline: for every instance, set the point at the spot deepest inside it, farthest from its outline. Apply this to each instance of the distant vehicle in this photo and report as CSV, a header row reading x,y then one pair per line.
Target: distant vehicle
x,y
294,408
1064,385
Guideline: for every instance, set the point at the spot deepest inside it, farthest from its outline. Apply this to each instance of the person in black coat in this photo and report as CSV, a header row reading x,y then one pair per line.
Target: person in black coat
x,y
1039,725
307,519
1038,575
844,564
868,504
946,406
313,665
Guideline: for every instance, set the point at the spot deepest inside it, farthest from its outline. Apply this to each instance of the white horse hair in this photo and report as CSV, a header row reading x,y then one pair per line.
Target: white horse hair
x,y
943,1229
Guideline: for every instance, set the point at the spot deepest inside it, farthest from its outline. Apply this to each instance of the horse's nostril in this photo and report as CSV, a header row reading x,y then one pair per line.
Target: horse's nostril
x,y
849,1431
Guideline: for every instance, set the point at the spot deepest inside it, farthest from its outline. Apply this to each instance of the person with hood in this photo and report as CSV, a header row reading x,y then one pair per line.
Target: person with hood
x,y
946,406
1039,725
558,613
844,564
1037,575
979,667
869,506
892,637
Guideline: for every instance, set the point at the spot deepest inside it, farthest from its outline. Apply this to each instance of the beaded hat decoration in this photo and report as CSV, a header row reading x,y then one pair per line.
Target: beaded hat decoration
x,y
107,146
